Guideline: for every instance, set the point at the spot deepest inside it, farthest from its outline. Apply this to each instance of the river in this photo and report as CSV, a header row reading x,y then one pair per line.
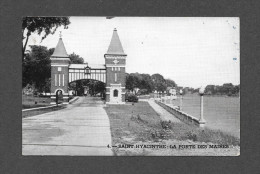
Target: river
x,y
220,112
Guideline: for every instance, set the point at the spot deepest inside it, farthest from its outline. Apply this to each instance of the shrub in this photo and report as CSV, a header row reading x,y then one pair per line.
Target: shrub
x,y
131,98
192,136
166,124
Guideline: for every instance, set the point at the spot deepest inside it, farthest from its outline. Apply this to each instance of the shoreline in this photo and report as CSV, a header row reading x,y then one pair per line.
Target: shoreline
x,y
140,124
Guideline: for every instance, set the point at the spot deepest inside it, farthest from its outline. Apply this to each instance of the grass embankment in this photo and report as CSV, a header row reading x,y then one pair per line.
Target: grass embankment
x,y
139,124
36,102
41,111
29,101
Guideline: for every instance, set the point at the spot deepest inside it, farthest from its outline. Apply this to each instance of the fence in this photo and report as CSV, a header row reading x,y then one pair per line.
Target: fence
x,y
184,117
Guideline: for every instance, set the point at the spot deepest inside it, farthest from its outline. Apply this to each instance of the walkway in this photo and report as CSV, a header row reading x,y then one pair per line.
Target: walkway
x,y
165,115
82,129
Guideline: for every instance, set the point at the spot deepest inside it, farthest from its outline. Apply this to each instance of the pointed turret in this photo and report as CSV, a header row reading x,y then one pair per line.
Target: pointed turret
x,y
115,47
115,71
60,50
59,73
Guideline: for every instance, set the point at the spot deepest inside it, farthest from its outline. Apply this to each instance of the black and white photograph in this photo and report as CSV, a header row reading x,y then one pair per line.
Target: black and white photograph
x,y
130,86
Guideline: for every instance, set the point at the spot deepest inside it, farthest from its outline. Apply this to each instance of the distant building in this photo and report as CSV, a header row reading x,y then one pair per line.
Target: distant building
x,y
171,91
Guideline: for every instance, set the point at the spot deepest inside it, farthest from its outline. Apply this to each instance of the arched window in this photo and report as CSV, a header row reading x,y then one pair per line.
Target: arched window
x,y
115,93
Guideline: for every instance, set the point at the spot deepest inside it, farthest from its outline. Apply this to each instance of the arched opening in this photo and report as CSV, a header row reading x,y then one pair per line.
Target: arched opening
x,y
115,93
59,96
87,88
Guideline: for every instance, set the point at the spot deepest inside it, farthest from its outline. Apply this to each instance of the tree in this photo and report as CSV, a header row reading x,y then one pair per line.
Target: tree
x,y
46,25
236,89
159,82
74,58
94,86
37,67
210,89
146,83
132,81
227,88
170,83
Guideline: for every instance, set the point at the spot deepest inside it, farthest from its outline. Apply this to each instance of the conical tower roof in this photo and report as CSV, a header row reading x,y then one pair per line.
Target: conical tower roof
x,y
60,50
115,46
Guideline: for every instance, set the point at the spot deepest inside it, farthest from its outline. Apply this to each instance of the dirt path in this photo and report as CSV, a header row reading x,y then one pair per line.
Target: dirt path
x,y
165,115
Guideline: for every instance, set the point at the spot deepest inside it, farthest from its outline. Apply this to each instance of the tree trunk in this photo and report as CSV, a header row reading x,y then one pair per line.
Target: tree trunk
x,y
24,47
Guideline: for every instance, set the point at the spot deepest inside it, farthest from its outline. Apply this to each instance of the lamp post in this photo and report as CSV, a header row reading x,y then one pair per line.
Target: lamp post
x,y
181,92
202,121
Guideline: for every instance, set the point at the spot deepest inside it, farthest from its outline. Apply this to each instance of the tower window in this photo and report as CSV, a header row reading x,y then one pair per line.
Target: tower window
x,y
63,80
59,79
55,79
115,93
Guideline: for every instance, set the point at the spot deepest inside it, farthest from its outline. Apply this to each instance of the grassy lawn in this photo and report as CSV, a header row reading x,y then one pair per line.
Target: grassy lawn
x,y
139,124
29,101
136,120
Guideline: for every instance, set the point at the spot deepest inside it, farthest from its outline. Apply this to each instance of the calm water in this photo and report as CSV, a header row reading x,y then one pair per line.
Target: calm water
x,y
220,112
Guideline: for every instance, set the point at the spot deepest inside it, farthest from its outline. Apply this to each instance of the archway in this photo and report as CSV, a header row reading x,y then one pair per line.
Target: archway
x,y
88,87
59,96
112,73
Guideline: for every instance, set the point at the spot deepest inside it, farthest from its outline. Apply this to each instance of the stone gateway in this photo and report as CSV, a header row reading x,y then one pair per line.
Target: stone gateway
x,y
112,73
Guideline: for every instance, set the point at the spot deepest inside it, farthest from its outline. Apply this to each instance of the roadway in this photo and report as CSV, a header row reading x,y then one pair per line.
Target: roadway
x,y
82,129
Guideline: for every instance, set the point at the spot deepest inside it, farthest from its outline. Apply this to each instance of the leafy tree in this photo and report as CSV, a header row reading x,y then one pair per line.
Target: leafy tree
x,y
46,87
93,86
146,83
98,87
39,25
210,89
159,82
74,58
226,89
37,67
170,83
236,89
132,81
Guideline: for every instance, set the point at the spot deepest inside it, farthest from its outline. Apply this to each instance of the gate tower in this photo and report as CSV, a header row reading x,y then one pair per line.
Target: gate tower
x,y
112,73
115,61
60,72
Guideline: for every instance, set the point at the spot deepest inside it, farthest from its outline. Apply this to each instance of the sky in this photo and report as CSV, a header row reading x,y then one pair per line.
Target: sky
x,y
192,51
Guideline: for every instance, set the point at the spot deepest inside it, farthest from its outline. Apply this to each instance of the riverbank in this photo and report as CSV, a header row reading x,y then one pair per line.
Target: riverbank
x,y
140,124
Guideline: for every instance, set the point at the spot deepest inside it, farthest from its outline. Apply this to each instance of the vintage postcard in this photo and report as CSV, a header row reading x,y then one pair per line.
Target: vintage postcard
x,y
131,86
